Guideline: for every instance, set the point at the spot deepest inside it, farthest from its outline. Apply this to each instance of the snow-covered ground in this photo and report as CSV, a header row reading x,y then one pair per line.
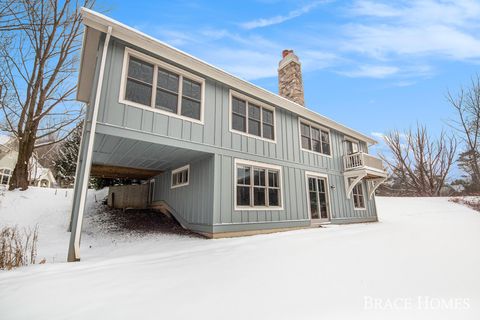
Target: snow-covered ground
x,y
421,261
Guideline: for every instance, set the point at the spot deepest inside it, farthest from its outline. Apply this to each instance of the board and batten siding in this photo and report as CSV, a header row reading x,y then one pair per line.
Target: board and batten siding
x,y
214,136
193,202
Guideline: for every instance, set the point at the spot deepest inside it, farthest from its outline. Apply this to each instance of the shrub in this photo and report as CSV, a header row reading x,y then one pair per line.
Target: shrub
x,y
17,248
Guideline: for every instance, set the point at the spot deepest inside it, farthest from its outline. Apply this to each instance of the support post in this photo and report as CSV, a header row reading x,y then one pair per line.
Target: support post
x,y
84,170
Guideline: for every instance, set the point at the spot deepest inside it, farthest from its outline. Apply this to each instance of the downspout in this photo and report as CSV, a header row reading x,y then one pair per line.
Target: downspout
x,y
76,232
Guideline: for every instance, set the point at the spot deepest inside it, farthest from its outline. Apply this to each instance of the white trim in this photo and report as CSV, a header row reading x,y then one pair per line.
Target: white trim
x,y
184,168
75,235
327,187
123,32
260,165
233,93
319,127
129,52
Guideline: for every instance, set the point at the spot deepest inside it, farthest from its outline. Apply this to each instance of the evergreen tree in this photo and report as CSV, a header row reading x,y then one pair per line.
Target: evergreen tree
x,y
65,157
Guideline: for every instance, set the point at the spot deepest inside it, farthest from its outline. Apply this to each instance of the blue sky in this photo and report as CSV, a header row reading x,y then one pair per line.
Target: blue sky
x,y
371,65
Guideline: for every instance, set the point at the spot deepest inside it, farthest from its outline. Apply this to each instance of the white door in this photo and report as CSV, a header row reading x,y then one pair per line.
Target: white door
x,y
318,199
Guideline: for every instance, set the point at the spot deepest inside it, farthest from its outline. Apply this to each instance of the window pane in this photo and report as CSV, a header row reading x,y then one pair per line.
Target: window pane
x,y
238,123
305,130
273,179
4,180
314,205
254,127
243,196
140,70
138,92
321,185
315,134
185,176
306,143
167,80
326,148
312,184
316,145
273,197
191,89
268,131
259,177
190,108
166,101
267,116
239,106
325,137
243,175
253,112
258,196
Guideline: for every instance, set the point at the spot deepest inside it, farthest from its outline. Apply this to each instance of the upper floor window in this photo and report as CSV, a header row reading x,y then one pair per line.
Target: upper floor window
x,y
180,176
257,186
252,118
164,87
351,146
315,138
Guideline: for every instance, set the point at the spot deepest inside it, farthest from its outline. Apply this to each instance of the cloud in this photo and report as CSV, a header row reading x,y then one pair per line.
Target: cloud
x,y
265,22
371,71
447,29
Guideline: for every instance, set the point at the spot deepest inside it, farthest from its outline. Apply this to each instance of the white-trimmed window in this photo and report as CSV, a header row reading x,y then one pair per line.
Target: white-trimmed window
x,y
148,82
251,117
358,198
180,176
314,138
5,175
257,186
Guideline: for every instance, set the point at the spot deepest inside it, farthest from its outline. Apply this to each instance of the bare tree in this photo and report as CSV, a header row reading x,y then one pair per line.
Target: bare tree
x,y
37,74
419,164
467,124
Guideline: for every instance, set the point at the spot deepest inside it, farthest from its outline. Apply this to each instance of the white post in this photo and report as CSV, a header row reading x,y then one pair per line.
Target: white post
x,y
74,247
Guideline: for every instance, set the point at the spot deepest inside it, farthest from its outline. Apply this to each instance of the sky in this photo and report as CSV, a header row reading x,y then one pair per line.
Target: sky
x,y
374,66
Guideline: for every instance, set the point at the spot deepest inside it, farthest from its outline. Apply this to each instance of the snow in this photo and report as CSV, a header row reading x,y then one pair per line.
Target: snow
x,y
423,252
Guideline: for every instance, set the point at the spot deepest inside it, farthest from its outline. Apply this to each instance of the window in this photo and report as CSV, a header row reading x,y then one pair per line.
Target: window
x,y
162,87
314,139
251,118
358,198
352,146
5,175
180,177
257,186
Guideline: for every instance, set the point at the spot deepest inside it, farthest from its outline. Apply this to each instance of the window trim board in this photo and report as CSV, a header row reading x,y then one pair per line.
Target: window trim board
x,y
159,63
183,168
232,93
261,165
320,127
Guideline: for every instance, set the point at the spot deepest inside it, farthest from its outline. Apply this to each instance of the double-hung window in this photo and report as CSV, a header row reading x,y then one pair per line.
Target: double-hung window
x,y
162,87
180,176
252,118
358,197
257,186
314,138
5,175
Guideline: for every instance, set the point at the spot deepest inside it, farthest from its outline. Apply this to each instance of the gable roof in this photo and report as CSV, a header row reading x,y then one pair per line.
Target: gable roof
x,y
98,23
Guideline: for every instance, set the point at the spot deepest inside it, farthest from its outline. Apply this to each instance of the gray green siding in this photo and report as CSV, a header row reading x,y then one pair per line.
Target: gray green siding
x,y
216,207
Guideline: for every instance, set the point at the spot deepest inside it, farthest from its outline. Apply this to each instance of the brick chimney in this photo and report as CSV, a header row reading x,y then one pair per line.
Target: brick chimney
x,y
290,84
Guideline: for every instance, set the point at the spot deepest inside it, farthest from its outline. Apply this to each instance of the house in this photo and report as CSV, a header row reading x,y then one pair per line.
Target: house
x,y
39,176
223,156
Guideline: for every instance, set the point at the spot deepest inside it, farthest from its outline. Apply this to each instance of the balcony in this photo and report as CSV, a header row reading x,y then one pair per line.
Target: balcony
x,y
363,161
358,166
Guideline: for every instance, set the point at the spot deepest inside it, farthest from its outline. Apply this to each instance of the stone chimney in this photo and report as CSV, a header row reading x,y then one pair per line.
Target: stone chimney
x,y
290,84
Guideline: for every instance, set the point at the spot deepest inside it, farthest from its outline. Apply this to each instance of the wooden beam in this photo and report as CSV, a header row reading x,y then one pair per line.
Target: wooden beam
x,y
104,171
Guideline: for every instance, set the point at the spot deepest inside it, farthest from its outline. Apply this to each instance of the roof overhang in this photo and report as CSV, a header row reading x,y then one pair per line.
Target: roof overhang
x,y
95,21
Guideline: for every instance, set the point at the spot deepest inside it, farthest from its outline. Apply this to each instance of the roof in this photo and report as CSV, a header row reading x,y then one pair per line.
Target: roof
x,y
98,23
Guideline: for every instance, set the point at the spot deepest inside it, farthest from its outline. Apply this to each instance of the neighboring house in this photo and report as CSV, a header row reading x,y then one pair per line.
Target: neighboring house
x,y
39,175
224,156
